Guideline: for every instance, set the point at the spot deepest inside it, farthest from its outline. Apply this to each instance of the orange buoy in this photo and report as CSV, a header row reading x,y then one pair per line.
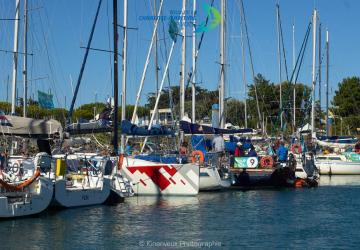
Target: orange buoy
x,y
296,149
120,161
299,183
197,156
266,162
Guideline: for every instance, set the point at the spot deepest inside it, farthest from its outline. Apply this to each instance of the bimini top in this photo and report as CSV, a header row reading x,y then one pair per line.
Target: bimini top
x,y
156,130
29,127
193,128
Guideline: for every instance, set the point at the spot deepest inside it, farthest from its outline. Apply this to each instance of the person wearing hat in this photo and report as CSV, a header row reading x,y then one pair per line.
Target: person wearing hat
x,y
238,150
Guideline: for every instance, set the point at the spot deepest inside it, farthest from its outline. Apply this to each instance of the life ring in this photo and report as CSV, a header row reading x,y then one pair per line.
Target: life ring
x,y
296,149
120,161
197,156
21,185
266,162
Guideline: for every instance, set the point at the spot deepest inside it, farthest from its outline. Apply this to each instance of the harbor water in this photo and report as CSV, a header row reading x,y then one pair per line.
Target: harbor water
x,y
323,217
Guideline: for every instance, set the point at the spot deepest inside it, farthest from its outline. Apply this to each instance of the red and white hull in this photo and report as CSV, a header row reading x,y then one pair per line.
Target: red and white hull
x,y
152,178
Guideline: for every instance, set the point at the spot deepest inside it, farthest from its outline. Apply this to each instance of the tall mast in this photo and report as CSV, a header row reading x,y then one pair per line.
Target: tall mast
x,y
222,67
156,62
320,61
15,57
279,61
193,119
327,82
25,58
116,75
123,92
183,58
294,94
243,73
313,73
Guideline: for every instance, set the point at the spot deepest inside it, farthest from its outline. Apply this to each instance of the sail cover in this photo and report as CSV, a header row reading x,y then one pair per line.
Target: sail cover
x,y
131,129
98,126
193,128
29,127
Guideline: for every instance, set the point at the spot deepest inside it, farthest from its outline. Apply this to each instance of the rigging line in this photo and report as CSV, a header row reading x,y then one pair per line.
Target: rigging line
x,y
56,54
302,56
283,47
242,11
171,101
49,60
301,49
191,74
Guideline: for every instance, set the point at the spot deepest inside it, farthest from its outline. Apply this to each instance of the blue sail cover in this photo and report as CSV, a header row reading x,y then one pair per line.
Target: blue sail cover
x,y
193,128
131,129
338,139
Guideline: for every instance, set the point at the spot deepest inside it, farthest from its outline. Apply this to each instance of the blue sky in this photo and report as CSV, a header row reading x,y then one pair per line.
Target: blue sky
x,y
57,29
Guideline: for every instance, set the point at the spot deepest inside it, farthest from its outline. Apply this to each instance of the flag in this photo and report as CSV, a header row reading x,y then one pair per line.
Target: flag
x,y
173,30
45,100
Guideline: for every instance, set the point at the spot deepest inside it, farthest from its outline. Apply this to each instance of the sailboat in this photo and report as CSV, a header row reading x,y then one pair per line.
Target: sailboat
x,y
25,186
149,175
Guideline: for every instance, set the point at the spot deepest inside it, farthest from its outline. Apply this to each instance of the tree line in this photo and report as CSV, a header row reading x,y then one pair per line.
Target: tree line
x,y
344,106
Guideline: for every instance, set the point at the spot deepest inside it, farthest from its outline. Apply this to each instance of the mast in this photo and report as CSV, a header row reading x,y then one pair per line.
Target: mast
x,y
193,119
15,57
116,75
156,62
183,58
146,64
25,58
294,94
123,92
313,74
320,62
243,73
327,82
279,61
222,67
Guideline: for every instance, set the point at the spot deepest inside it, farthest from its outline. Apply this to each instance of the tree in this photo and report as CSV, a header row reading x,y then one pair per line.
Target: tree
x,y
346,102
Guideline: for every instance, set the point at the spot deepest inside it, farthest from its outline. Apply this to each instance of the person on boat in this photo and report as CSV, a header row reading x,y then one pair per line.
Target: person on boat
x,y
282,152
218,143
2,161
252,151
357,148
183,149
238,150
183,152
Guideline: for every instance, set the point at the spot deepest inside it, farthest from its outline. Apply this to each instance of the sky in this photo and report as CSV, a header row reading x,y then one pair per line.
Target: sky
x,y
57,30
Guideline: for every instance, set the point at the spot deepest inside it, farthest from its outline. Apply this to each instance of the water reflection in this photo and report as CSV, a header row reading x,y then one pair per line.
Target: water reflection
x,y
340,180
287,218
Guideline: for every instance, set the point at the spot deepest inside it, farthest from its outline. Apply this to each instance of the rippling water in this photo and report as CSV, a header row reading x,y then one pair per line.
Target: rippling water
x,y
323,217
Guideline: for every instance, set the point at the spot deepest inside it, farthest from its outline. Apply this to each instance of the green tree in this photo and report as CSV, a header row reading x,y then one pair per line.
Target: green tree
x,y
346,103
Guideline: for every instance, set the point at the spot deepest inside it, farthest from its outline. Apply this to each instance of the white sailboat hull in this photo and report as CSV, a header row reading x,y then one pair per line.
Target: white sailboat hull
x,y
152,178
210,179
338,168
77,197
33,202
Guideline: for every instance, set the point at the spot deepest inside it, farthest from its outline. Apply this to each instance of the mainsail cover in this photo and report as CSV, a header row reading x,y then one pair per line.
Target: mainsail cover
x,y
29,127
131,129
193,128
